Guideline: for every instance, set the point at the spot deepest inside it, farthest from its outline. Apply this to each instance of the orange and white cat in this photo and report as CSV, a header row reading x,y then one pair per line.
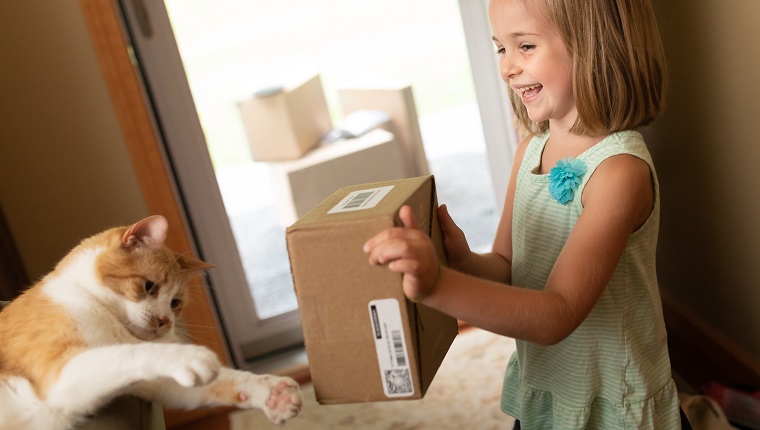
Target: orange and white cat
x,y
101,324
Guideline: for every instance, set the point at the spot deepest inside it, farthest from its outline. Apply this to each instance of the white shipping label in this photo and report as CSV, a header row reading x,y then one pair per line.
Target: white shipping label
x,y
390,343
361,199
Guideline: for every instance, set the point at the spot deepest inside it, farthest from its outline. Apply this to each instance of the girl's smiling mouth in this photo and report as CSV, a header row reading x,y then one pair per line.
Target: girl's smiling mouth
x,y
529,92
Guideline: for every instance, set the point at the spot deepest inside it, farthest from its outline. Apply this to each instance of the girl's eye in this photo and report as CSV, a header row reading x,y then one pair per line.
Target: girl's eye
x,y
149,287
176,303
527,47
500,50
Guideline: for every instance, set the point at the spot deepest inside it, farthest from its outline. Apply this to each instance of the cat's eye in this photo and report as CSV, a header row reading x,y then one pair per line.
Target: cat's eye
x,y
175,303
149,287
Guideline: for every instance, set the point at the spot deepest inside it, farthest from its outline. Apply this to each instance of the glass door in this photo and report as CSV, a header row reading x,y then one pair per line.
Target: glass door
x,y
200,59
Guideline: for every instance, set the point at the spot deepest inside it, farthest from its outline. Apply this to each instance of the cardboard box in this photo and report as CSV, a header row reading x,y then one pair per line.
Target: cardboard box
x,y
284,124
365,341
302,184
398,102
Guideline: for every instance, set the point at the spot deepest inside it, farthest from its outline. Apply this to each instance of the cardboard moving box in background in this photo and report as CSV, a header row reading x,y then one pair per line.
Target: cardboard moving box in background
x,y
303,183
365,341
398,102
286,123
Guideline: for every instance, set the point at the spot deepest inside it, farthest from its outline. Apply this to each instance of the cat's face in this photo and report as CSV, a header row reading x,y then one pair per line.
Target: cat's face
x,y
148,279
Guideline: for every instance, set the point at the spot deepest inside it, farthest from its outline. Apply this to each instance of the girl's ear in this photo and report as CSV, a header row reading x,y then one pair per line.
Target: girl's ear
x,y
150,232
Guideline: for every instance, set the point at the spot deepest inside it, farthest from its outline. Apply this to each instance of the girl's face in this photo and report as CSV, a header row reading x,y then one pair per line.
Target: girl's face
x,y
534,61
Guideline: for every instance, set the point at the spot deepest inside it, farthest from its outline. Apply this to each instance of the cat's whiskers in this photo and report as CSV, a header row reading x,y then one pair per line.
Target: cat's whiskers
x,y
186,336
194,326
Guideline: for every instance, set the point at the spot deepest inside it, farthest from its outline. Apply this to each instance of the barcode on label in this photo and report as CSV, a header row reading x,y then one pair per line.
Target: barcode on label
x,y
390,345
361,199
398,348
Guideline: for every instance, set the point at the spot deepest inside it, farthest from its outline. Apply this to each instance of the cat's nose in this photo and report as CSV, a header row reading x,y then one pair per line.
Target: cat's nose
x,y
163,321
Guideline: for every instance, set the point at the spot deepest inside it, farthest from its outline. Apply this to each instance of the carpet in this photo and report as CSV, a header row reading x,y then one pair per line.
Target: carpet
x,y
465,394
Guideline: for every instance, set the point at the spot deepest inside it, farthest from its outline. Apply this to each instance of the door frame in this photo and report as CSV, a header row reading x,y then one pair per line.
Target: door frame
x,y
148,158
491,93
157,185
157,59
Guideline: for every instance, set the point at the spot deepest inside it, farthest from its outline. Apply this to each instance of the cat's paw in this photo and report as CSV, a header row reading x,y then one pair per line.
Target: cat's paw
x,y
279,397
284,400
194,365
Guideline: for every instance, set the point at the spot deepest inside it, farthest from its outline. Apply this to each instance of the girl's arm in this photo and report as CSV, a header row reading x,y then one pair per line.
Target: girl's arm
x,y
617,200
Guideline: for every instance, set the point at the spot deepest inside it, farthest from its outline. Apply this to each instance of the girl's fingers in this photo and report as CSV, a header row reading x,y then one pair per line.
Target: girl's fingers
x,y
407,217
448,226
402,243
408,231
410,267
387,250
444,217
384,236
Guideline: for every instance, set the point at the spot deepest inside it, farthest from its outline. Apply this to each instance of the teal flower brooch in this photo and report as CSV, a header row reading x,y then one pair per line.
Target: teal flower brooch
x,y
565,178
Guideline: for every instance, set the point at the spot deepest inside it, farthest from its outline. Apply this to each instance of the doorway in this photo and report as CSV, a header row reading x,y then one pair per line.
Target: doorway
x,y
199,59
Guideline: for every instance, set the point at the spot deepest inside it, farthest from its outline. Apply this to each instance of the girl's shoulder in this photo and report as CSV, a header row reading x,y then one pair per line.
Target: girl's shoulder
x,y
623,178
623,142
531,144
524,142
622,155
522,148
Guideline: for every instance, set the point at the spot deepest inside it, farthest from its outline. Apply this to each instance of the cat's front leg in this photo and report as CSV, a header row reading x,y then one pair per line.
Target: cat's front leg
x,y
94,377
279,397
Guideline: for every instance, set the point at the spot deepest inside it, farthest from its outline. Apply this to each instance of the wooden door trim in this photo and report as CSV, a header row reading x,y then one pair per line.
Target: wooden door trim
x,y
146,151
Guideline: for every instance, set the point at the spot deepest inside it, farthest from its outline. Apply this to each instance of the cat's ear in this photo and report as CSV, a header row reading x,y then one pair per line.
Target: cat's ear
x,y
150,232
191,264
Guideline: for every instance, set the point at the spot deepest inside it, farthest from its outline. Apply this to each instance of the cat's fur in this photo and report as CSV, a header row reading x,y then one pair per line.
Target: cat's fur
x,y
101,324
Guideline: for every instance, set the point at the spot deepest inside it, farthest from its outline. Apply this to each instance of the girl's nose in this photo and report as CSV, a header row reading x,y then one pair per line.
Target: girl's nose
x,y
507,67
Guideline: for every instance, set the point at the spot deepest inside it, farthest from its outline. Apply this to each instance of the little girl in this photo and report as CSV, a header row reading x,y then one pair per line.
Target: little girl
x,y
572,272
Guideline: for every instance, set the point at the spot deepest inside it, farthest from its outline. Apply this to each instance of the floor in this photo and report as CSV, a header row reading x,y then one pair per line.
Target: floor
x,y
464,395
473,393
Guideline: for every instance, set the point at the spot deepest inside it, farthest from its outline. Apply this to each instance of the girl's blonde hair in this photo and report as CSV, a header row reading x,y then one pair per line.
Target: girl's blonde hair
x,y
619,74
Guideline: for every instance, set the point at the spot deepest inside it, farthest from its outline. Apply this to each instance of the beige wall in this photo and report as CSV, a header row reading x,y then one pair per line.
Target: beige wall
x,y
64,170
65,174
707,151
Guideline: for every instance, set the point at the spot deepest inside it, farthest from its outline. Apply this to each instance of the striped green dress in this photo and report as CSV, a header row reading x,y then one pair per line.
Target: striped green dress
x,y
613,371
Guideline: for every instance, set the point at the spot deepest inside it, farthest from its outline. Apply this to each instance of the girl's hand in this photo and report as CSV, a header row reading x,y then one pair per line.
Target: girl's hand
x,y
454,240
409,251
